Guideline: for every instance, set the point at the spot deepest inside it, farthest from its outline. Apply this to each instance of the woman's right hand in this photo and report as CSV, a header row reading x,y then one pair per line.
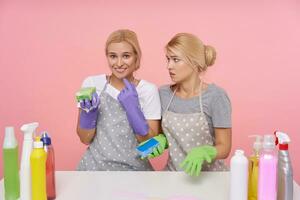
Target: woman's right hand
x,y
89,112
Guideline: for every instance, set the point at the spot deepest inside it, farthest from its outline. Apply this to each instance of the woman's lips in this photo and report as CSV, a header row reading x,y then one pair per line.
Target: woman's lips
x,y
120,70
172,74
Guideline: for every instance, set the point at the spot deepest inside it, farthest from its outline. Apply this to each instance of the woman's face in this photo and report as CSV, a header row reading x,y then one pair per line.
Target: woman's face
x,y
121,59
179,70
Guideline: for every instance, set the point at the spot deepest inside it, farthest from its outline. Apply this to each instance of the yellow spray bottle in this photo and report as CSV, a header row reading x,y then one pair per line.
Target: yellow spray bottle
x,y
253,168
38,171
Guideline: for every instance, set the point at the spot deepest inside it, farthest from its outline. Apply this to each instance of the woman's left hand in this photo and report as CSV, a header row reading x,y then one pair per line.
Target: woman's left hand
x,y
192,163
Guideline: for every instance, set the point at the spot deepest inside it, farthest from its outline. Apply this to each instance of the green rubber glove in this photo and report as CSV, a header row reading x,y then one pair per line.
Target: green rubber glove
x,y
157,151
192,163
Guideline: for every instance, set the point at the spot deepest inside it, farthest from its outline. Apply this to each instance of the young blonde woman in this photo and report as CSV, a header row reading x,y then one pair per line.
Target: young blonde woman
x,y
196,115
124,111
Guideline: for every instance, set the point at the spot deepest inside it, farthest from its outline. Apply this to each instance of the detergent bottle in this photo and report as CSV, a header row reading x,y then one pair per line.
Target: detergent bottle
x,y
38,171
285,170
253,168
25,174
267,174
50,166
11,167
238,176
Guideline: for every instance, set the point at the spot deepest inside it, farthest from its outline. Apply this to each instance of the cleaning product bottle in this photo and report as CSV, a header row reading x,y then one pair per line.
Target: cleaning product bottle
x,y
238,176
285,170
38,171
253,168
267,174
50,166
25,174
11,168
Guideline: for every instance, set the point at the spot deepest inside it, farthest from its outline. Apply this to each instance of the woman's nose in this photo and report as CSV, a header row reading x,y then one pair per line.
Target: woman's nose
x,y
120,62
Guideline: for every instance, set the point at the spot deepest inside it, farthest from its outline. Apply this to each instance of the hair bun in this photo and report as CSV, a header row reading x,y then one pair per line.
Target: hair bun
x,y
210,55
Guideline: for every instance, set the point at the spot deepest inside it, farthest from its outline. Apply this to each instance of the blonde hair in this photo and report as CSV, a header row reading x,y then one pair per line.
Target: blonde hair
x,y
194,51
125,35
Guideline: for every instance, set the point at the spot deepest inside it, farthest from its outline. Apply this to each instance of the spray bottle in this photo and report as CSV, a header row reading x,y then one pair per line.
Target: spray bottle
x,y
50,166
38,171
25,174
285,170
253,168
11,168
238,176
267,174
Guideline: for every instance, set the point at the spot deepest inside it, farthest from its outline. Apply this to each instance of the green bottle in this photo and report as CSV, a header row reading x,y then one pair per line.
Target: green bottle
x,y
11,169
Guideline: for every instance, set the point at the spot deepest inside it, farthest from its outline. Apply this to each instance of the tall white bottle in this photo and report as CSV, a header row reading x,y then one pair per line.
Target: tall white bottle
x,y
239,176
25,174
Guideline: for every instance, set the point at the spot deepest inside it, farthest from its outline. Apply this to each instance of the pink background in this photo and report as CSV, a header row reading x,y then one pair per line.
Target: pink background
x,y
47,49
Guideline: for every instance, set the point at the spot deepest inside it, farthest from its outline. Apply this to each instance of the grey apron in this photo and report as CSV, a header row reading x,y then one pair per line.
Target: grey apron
x,y
187,131
114,145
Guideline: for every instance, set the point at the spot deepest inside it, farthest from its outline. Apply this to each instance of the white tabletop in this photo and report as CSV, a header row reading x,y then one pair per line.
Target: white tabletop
x,y
73,185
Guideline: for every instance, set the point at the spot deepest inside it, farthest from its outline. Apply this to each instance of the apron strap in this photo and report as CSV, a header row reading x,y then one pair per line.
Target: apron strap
x,y
200,97
171,99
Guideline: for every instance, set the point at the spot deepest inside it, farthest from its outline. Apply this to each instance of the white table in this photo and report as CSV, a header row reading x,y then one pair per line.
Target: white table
x,y
73,185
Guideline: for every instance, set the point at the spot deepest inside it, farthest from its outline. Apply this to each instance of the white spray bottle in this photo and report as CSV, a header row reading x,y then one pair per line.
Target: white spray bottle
x,y
25,174
285,170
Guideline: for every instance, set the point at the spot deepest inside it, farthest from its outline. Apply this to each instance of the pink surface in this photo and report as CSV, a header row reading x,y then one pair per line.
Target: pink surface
x,y
47,49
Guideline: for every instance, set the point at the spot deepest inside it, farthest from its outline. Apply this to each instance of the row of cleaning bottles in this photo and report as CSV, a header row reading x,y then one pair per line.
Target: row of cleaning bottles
x,y
266,174
36,180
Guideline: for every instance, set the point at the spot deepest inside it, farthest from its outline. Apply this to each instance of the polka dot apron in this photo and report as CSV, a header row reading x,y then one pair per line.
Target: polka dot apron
x,y
114,145
187,131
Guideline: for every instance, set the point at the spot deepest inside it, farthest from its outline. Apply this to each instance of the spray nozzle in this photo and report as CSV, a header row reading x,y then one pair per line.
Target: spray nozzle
x,y
28,130
283,140
257,145
45,138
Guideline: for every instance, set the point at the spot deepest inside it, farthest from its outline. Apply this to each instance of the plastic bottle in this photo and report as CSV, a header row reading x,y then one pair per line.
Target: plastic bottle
x,y
253,168
25,174
11,168
285,170
38,171
50,166
267,174
239,176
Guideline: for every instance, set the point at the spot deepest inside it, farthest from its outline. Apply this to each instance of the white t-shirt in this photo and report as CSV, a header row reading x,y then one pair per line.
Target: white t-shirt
x,y
147,93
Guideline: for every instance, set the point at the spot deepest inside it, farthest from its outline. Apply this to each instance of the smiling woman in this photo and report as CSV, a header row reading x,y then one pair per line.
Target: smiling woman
x,y
126,110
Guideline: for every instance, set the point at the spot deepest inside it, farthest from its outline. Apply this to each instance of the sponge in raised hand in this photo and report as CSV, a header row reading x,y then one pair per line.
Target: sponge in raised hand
x,y
85,93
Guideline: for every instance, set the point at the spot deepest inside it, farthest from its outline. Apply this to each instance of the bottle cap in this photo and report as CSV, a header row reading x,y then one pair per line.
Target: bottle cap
x,y
45,138
239,152
269,142
9,139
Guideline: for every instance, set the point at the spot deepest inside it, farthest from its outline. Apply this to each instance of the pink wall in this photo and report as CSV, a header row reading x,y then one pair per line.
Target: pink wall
x,y
46,50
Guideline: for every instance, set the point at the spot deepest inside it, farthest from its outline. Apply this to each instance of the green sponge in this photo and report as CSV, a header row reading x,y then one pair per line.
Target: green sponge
x,y
85,93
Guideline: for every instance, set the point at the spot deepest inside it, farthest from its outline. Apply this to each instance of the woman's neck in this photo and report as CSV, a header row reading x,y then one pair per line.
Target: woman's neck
x,y
118,83
189,88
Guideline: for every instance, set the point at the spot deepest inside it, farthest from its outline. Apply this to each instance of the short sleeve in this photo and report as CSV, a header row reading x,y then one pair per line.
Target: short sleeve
x,y
221,111
88,82
151,103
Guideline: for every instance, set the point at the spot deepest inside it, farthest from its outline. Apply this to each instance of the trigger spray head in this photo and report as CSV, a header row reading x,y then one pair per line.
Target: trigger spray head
x,y
28,130
282,139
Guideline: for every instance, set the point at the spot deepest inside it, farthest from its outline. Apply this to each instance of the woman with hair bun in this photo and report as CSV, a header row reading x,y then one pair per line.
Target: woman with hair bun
x,y
196,116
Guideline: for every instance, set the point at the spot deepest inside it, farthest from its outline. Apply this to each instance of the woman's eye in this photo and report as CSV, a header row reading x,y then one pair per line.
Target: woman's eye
x,y
126,56
112,56
176,60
